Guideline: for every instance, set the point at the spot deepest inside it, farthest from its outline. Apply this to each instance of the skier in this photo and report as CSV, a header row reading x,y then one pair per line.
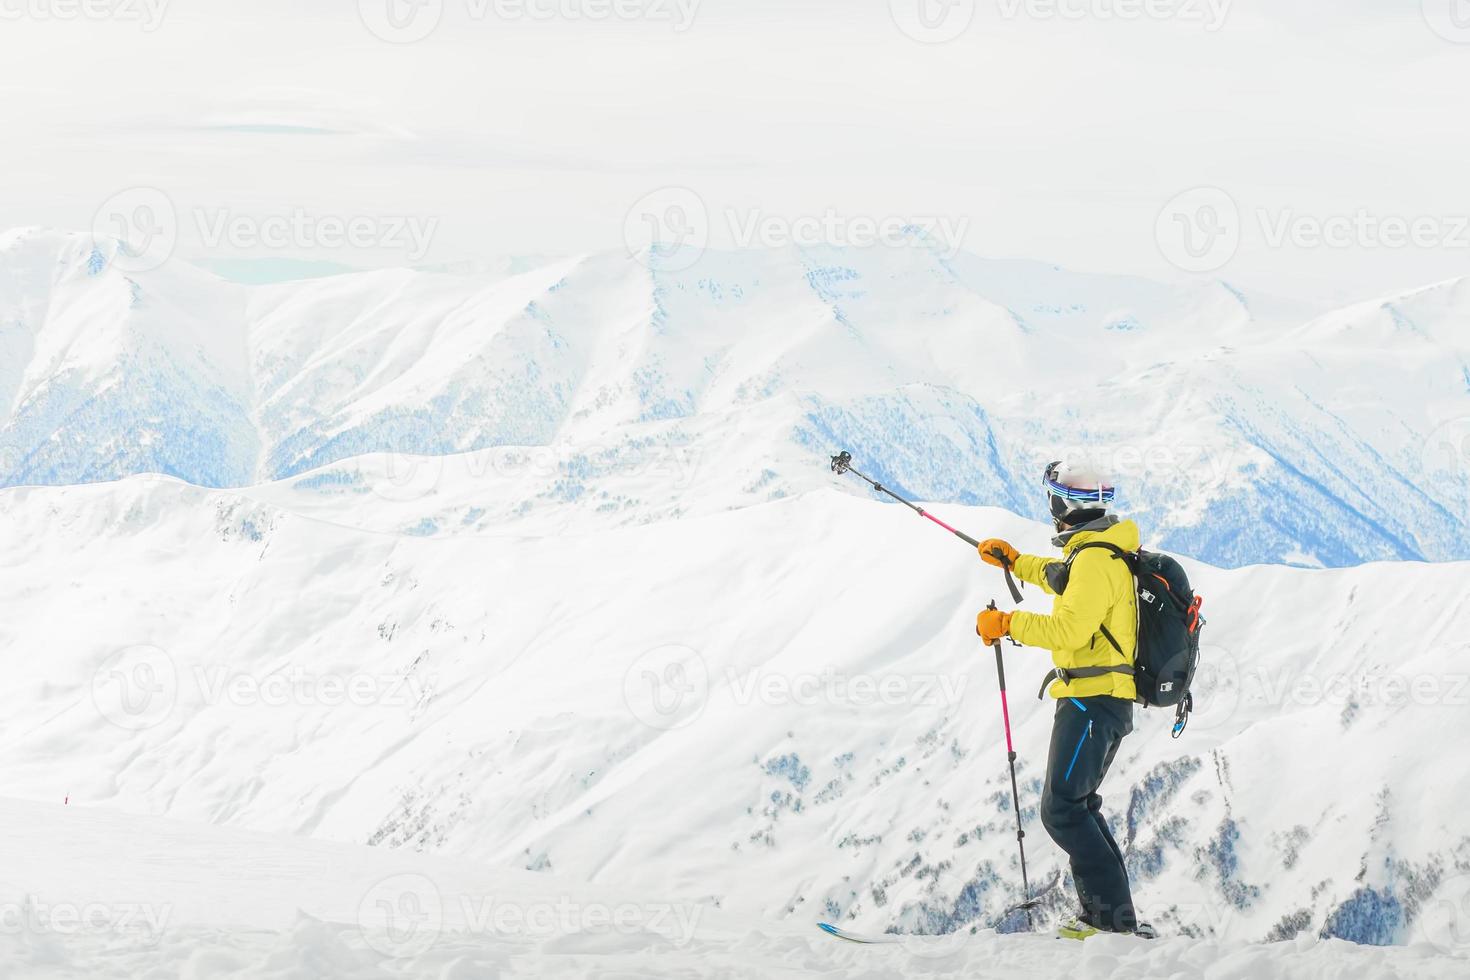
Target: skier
x,y
1092,682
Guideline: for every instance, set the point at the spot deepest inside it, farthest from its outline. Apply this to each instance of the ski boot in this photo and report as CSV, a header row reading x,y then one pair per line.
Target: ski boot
x,y
1076,929
1079,930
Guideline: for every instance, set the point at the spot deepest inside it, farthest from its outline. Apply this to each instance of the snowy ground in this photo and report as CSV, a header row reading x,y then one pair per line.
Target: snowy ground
x,y
780,711
103,895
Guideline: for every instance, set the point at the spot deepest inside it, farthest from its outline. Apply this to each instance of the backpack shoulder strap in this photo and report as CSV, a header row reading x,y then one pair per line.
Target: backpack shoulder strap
x,y
1129,558
1117,551
1122,555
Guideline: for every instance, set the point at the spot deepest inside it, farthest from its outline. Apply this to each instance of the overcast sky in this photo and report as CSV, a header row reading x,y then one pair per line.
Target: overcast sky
x,y
1053,129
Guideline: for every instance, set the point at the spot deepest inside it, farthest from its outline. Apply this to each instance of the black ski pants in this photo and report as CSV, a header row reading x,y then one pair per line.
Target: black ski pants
x,y
1084,739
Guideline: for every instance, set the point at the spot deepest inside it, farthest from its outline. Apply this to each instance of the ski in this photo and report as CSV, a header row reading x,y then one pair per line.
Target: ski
x,y
853,937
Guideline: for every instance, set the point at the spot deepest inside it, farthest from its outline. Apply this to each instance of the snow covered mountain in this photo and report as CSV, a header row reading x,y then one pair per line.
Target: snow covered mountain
x,y
290,909
391,559
609,390
778,710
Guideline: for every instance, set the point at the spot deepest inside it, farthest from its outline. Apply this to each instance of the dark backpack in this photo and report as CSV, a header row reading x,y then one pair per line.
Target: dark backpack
x,y
1169,625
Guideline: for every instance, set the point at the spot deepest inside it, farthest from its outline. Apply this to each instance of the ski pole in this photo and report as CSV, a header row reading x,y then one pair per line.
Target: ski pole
x,y
1005,714
842,463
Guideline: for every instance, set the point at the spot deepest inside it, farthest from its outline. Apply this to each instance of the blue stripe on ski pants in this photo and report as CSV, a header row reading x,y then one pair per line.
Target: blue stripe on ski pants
x,y
1073,764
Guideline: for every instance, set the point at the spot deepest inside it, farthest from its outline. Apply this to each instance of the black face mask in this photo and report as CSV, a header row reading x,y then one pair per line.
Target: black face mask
x,y
1062,518
1058,509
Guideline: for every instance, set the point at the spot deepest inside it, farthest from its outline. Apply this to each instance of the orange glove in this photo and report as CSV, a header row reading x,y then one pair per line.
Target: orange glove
x,y
992,624
991,545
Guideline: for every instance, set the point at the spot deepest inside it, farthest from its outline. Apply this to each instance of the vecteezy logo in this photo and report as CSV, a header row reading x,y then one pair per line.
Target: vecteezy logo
x,y
401,21
143,225
1216,688
932,21
951,944
667,687
667,229
410,466
1444,921
401,916
10,461
1445,459
1450,19
136,687
1447,451
1199,230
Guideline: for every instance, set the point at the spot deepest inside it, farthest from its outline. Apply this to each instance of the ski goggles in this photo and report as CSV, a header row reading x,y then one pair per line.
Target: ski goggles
x,y
1103,494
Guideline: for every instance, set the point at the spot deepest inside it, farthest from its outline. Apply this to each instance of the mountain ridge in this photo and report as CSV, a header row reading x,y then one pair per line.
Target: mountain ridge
x,y
954,378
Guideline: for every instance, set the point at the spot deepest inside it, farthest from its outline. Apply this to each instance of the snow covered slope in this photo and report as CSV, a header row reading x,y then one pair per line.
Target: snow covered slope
x,y
599,392
97,894
779,710
104,374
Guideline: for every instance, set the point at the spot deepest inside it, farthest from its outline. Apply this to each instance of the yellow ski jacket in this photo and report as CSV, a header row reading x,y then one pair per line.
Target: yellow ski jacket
x,y
1099,593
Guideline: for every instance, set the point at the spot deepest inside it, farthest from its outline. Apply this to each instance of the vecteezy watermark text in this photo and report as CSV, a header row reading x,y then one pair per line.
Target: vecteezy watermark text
x,y
834,687
301,229
411,21
1211,14
138,921
941,21
1363,229
148,227
1202,229
405,914
147,14
138,687
756,228
672,227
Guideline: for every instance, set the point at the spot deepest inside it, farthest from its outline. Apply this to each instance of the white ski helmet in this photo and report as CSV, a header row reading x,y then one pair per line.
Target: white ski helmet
x,y
1076,486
